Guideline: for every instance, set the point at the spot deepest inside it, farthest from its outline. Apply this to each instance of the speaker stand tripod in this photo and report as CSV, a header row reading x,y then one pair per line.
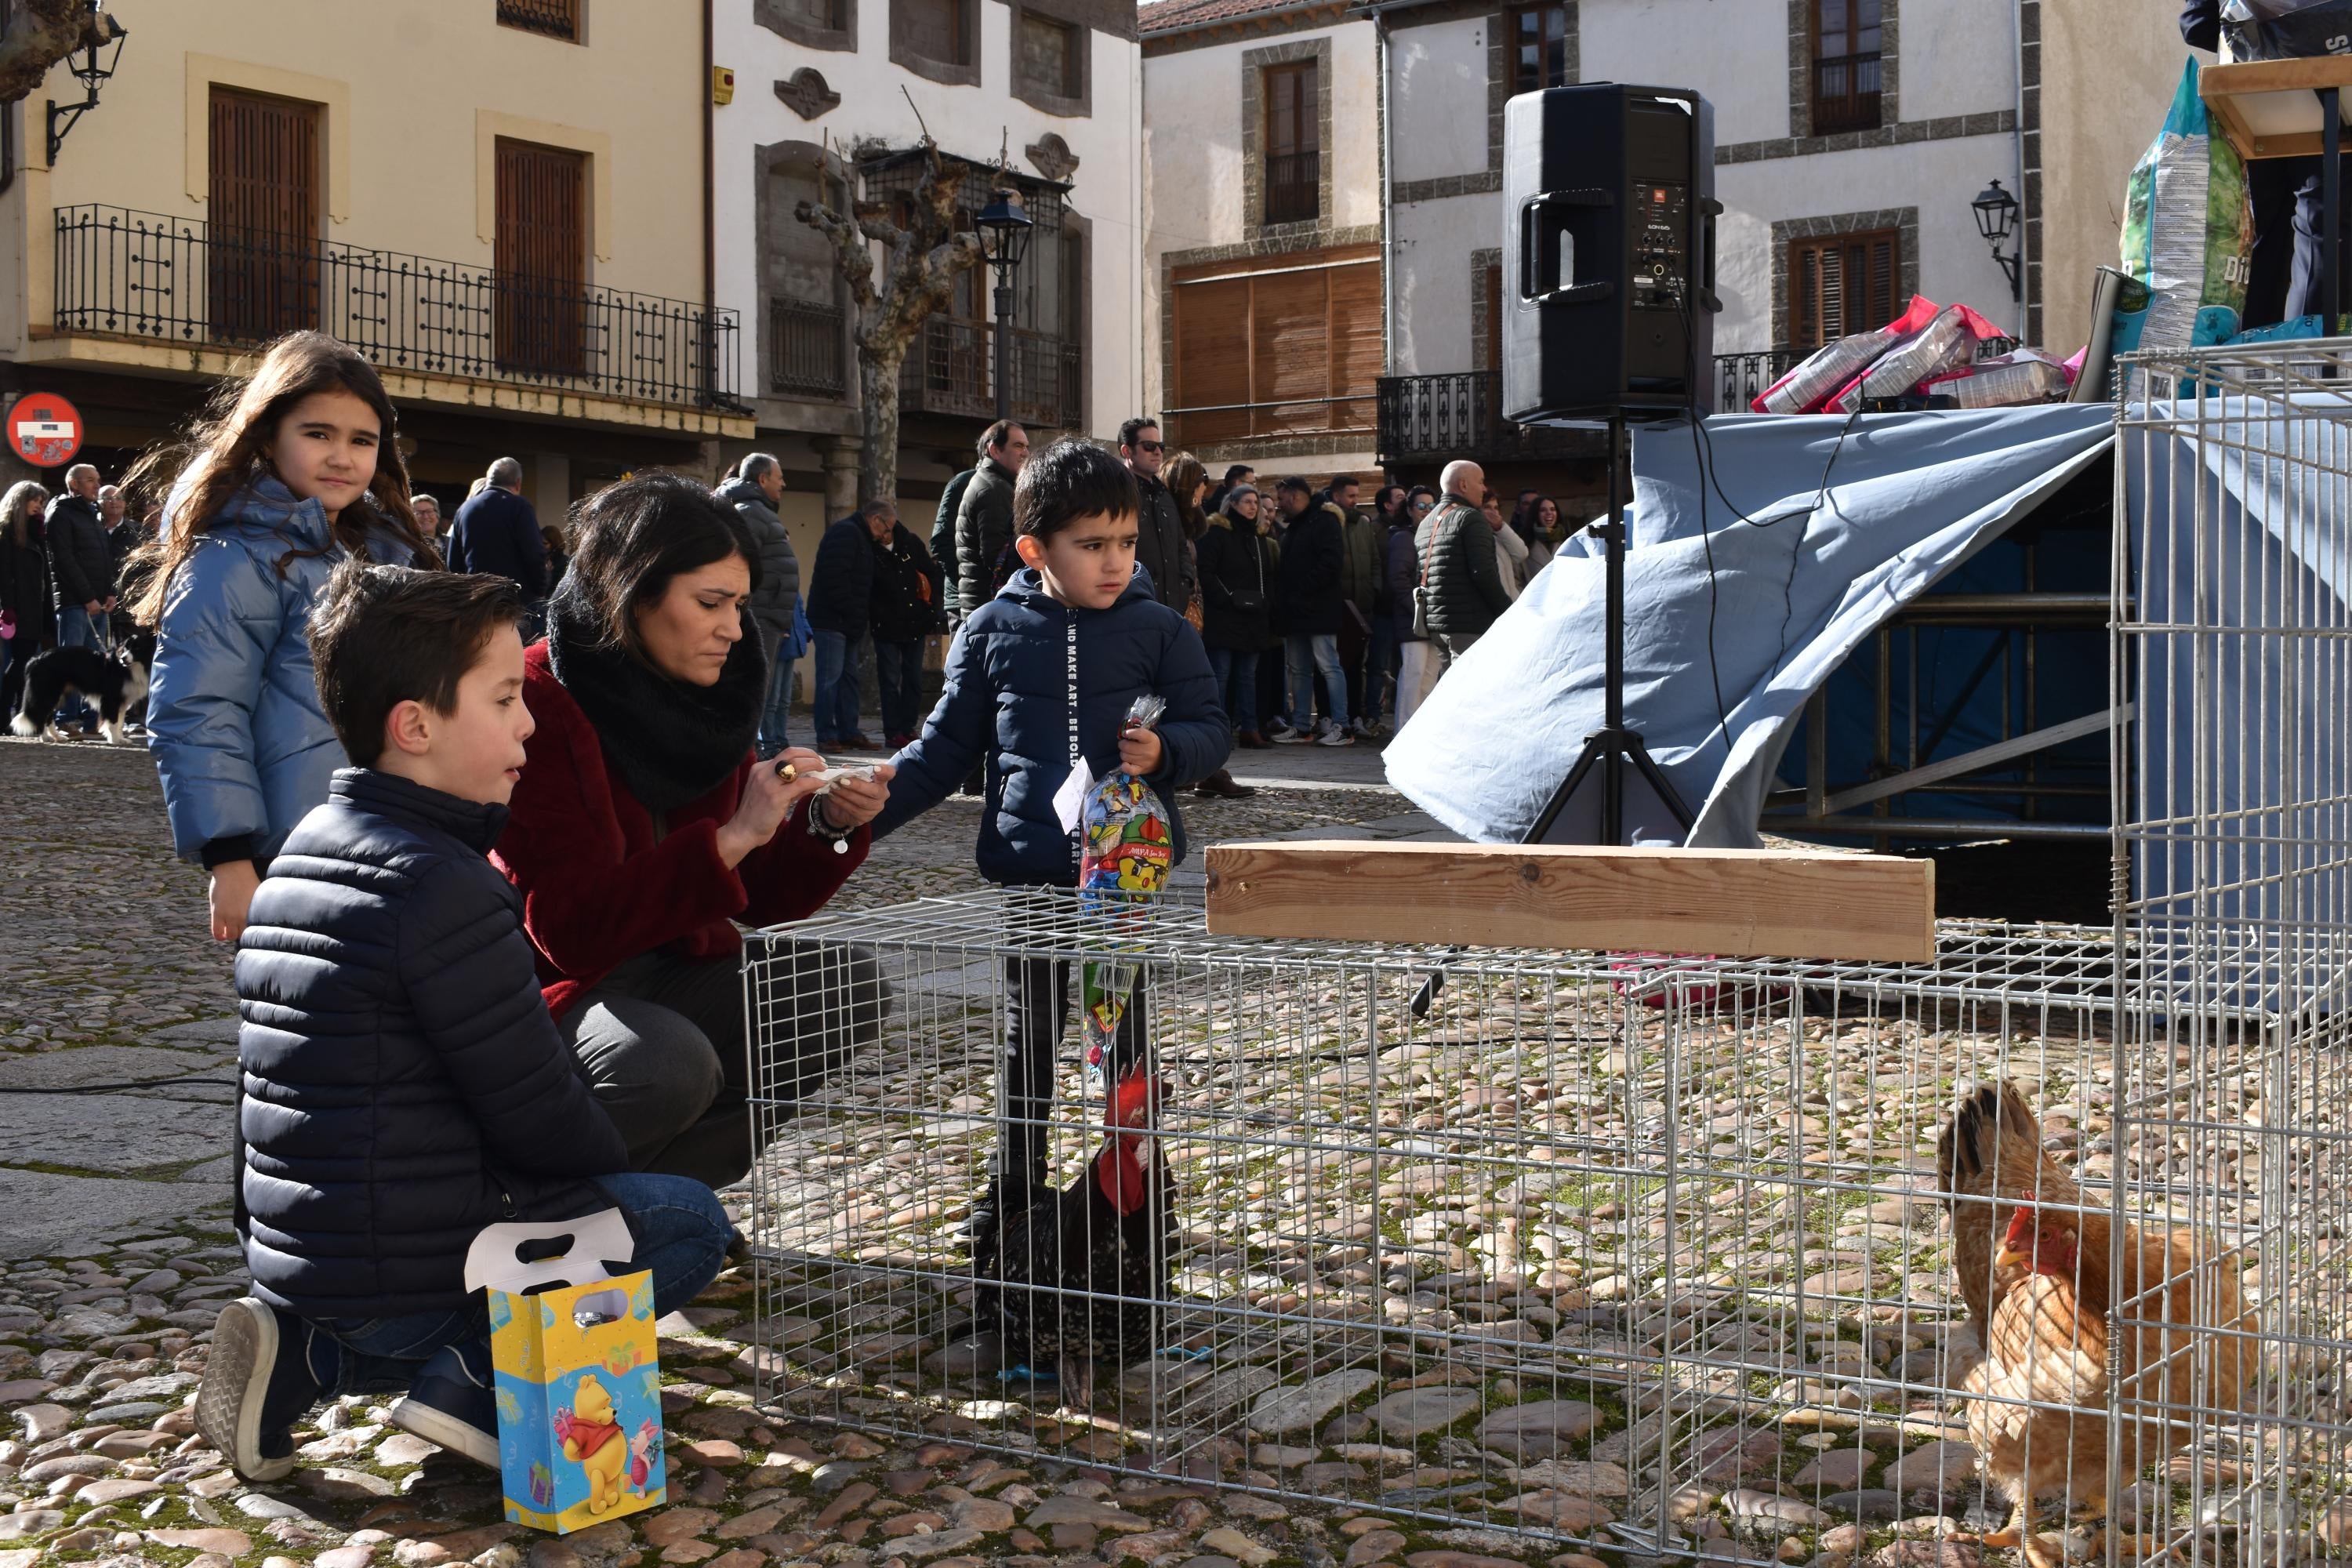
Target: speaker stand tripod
x,y
1611,747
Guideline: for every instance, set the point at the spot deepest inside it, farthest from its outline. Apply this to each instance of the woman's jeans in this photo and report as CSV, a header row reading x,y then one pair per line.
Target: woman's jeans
x,y
681,1234
1236,674
836,687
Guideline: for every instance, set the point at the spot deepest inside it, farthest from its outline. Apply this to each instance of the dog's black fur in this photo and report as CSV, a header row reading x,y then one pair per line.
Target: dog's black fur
x,y
116,683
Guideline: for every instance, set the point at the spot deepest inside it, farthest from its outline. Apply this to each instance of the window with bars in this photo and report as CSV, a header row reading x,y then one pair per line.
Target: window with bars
x,y
1846,65
550,18
1538,44
1841,285
1293,142
1052,61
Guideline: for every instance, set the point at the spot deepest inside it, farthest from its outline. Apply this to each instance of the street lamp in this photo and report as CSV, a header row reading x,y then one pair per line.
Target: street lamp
x,y
1996,212
1003,240
89,73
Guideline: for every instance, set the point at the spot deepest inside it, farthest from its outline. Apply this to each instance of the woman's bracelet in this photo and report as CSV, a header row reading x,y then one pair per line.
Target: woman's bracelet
x,y
820,828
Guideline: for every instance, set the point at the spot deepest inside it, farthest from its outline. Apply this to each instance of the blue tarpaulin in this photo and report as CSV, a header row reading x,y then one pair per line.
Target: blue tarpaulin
x,y
1838,525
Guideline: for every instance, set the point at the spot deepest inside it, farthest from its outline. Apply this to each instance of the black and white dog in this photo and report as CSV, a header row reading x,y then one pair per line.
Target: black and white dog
x,y
115,682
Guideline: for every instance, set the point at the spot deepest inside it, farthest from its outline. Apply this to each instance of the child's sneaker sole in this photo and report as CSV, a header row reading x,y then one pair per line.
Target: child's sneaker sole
x,y
446,1431
236,1378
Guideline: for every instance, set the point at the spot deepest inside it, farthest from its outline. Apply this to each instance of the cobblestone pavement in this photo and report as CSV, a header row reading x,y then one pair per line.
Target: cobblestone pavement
x,y
117,1043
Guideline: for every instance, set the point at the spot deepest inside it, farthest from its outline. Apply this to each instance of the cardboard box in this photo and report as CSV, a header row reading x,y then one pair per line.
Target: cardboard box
x,y
579,1387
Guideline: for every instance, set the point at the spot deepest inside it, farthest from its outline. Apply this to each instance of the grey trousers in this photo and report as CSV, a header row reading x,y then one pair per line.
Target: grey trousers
x,y
662,1043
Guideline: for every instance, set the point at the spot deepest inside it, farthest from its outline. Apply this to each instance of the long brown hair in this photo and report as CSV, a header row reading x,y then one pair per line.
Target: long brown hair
x,y
223,453
16,508
1186,474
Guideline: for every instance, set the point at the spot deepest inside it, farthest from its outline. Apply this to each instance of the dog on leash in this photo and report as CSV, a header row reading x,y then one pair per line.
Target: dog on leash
x,y
115,682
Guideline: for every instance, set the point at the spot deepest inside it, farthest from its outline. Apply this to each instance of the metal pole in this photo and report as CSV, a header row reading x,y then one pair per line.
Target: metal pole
x,y
1004,341
1612,701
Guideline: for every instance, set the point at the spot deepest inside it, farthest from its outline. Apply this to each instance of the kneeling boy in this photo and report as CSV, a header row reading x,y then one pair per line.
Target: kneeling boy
x,y
403,1085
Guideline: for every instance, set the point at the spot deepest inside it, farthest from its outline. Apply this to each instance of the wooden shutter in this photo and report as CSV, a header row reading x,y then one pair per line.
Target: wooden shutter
x,y
1358,354
1295,339
1213,359
541,253
1843,285
262,269
1494,287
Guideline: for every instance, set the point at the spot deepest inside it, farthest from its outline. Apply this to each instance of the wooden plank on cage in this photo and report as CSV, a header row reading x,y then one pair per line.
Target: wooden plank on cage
x,y
1734,903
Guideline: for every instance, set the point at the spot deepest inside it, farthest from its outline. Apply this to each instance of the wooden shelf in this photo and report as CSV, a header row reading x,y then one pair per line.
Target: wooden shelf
x,y
2269,109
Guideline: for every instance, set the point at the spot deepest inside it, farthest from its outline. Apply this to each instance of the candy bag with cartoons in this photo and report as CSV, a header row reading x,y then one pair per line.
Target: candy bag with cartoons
x,y
1127,848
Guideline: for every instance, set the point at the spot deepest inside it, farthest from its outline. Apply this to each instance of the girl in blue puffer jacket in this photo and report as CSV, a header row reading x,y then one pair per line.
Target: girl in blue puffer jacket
x,y
292,471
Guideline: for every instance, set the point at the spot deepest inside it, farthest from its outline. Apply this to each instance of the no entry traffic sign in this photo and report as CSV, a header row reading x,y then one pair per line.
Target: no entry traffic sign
x,y
45,429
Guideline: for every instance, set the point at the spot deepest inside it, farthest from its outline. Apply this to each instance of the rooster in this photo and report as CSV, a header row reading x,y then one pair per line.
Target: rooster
x,y
1112,1233
2039,1413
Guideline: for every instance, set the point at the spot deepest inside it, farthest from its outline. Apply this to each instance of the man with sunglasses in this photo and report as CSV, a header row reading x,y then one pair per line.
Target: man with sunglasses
x,y
1161,547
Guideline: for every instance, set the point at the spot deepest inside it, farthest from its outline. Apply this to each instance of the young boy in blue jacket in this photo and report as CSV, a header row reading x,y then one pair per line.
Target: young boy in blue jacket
x,y
403,1085
1039,680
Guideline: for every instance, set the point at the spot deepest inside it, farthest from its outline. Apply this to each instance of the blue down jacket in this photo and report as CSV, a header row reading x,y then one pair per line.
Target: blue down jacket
x,y
1011,697
404,1084
232,718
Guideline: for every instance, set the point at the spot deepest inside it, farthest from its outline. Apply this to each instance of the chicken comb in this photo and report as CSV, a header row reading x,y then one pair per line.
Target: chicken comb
x,y
1131,1100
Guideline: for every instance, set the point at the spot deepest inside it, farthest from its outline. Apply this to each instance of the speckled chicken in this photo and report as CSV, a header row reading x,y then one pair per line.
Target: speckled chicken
x,y
1075,1273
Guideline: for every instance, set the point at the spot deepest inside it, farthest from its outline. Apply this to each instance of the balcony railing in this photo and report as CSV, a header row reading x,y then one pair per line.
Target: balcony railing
x,y
1293,192
1220,425
947,372
1846,94
805,352
1741,378
1427,418
556,18
141,275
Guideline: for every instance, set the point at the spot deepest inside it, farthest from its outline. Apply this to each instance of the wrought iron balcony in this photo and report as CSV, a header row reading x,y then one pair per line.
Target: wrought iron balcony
x,y
1436,418
144,276
806,353
947,372
1292,187
1846,94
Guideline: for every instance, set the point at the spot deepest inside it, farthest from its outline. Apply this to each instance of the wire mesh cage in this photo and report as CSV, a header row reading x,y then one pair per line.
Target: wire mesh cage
x,y
1639,1253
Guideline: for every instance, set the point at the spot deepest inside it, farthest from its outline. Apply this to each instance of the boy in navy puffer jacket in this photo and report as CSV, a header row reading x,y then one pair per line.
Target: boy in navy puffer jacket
x,y
1040,679
403,1085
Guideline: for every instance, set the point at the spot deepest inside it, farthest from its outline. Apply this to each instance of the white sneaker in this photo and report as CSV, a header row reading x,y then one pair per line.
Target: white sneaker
x,y
1334,737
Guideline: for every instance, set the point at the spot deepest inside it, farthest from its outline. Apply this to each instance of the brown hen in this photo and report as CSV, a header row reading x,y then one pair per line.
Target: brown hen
x,y
2039,1415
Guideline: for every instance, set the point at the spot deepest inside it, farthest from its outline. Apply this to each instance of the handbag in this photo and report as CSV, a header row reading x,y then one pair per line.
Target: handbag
x,y
1250,601
796,642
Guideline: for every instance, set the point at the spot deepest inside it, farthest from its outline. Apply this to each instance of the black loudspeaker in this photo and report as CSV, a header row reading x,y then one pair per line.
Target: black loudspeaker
x,y
1609,254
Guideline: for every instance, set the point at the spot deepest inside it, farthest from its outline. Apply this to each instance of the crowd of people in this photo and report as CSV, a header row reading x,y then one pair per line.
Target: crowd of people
x,y
484,838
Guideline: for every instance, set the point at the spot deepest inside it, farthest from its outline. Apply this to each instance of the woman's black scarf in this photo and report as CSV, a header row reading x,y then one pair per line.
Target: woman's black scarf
x,y
670,741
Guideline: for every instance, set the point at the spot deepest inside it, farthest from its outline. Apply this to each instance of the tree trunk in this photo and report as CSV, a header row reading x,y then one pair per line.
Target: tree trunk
x,y
877,391
39,34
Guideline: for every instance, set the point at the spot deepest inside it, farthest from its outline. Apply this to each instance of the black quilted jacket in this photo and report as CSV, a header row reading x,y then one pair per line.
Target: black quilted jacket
x,y
404,1084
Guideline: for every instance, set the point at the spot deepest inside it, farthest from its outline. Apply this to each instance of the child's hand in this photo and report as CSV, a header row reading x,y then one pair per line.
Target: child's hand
x,y
850,804
768,799
233,882
1140,752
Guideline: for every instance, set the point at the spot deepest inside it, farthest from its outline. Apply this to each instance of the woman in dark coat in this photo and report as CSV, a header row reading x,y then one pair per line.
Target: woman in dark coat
x,y
643,829
1240,578
24,588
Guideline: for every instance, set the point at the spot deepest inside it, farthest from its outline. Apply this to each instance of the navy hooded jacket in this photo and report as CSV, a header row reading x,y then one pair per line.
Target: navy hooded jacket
x,y
403,1085
1011,699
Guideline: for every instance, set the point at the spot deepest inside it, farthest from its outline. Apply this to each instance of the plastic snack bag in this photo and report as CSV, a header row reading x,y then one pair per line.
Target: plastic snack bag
x,y
2028,375
1950,342
1127,848
1831,366
2187,223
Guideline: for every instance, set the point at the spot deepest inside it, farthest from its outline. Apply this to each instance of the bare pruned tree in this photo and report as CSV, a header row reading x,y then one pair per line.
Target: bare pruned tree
x,y
40,33
921,254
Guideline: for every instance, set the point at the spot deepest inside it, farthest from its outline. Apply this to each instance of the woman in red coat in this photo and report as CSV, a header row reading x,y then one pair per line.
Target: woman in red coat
x,y
642,828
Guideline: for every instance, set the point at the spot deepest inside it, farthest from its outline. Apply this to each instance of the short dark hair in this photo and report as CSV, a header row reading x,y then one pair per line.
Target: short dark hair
x,y
1295,483
383,636
1342,481
629,539
1131,428
1066,481
1236,472
996,435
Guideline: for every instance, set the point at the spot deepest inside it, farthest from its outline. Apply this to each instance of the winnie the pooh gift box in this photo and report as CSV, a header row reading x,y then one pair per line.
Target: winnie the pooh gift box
x,y
578,1390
